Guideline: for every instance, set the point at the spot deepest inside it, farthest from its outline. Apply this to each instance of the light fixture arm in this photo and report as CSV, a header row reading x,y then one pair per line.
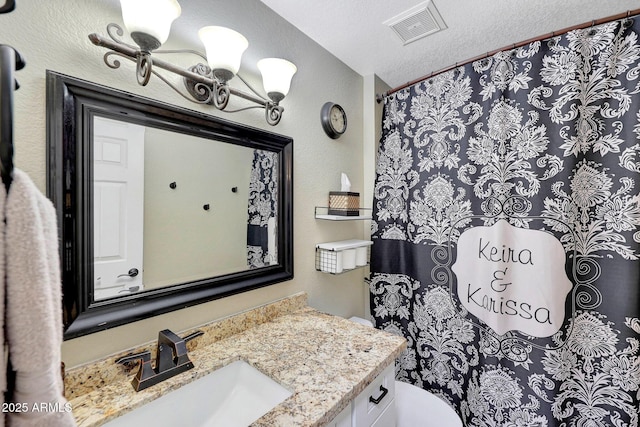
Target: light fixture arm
x,y
202,86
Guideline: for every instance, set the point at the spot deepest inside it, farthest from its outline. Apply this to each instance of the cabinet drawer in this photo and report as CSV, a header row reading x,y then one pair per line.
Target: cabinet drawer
x,y
372,402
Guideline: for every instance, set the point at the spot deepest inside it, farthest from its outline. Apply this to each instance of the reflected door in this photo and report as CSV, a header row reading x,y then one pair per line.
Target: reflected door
x,y
118,189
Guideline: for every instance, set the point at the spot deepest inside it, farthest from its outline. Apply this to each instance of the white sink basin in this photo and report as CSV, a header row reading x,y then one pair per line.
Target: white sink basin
x,y
233,396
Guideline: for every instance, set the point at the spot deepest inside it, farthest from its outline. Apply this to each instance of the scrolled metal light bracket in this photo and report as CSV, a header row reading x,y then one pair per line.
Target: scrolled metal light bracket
x,y
202,86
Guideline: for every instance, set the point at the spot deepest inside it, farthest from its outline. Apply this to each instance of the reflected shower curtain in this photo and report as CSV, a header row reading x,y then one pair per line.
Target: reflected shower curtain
x,y
263,210
507,232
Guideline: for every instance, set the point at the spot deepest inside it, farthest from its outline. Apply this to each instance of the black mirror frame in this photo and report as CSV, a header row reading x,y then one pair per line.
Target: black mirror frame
x,y
71,105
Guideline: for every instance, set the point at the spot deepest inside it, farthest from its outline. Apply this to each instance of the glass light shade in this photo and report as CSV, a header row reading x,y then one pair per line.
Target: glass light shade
x,y
224,48
150,17
276,76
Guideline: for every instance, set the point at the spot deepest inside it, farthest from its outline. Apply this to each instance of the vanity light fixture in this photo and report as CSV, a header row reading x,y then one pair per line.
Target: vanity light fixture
x,y
149,23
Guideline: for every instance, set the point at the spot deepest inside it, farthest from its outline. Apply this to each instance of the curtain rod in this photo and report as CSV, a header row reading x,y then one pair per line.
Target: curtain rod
x,y
380,97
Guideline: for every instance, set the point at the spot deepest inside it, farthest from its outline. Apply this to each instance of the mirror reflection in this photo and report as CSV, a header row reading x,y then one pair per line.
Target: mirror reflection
x,y
160,207
173,208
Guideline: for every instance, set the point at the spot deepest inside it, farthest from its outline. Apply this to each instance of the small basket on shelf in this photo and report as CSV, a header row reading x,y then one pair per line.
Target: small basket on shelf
x,y
345,203
341,256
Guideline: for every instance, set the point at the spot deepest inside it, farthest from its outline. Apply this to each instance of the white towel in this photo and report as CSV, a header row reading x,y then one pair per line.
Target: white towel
x,y
5,350
34,307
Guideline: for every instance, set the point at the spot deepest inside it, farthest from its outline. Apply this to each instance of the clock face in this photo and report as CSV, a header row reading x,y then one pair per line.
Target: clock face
x,y
334,120
338,119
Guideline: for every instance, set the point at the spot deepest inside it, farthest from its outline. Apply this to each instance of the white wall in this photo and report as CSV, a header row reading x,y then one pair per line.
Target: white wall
x,y
182,241
53,35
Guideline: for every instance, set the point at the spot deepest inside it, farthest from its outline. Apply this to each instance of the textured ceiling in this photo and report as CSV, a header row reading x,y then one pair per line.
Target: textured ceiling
x,y
353,30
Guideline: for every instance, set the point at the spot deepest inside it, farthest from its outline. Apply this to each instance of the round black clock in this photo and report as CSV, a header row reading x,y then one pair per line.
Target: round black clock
x,y
333,119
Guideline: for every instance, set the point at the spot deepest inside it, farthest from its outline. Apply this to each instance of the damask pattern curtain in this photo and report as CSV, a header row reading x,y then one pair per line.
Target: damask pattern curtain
x,y
263,210
507,232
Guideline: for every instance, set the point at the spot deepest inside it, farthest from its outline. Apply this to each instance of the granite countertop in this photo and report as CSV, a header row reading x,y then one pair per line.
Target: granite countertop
x,y
324,360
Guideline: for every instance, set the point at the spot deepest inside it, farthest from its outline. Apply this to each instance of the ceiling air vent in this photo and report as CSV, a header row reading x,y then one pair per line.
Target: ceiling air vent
x,y
417,22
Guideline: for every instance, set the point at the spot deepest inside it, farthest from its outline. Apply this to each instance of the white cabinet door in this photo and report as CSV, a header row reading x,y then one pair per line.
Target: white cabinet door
x,y
388,416
343,419
375,401
374,407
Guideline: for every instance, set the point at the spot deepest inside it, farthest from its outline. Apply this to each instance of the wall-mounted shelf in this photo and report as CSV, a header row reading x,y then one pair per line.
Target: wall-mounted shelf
x,y
322,212
342,256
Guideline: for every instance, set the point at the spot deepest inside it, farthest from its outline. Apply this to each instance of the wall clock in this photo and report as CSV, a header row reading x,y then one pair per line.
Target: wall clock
x,y
333,119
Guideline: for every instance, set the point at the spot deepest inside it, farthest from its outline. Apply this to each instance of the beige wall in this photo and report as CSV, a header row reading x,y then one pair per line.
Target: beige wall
x,y
53,35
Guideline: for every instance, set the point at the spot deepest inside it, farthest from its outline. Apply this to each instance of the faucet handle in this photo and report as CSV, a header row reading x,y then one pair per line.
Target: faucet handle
x,y
146,370
144,357
184,358
192,335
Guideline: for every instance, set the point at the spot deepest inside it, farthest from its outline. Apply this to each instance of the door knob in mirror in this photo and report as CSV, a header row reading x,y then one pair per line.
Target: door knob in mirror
x,y
131,273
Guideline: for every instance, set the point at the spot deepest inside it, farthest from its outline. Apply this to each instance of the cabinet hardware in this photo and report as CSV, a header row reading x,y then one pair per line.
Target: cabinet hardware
x,y
377,400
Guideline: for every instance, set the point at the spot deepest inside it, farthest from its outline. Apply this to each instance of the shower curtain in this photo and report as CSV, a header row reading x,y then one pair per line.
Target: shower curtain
x,y
507,232
262,210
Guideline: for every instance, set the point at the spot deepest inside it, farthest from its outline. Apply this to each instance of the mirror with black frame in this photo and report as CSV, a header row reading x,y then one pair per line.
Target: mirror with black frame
x,y
160,207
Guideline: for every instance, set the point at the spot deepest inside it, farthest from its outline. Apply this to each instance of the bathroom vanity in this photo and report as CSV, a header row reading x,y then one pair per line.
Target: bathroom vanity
x,y
335,370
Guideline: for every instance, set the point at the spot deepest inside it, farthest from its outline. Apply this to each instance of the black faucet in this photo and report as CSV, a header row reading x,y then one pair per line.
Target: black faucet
x,y
171,359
